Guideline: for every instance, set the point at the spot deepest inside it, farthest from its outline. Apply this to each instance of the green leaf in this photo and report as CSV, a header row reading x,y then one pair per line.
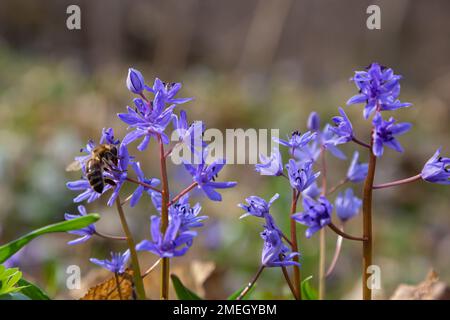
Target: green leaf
x,y
183,293
308,292
32,291
7,250
14,296
237,293
9,279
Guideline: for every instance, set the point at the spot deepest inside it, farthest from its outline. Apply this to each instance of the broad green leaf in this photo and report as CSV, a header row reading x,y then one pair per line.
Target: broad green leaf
x,y
9,278
7,250
308,292
32,291
183,293
14,296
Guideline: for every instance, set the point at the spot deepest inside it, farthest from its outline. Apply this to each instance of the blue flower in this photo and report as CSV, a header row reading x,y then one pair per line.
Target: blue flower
x,y
313,123
347,205
167,91
357,171
137,194
313,191
257,206
148,119
378,88
188,215
173,243
84,233
117,264
327,139
315,215
190,135
272,166
437,169
135,81
205,176
296,141
343,129
301,175
384,132
275,253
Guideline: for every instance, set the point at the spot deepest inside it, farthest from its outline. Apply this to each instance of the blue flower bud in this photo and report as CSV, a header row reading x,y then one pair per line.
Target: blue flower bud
x,y
313,121
135,81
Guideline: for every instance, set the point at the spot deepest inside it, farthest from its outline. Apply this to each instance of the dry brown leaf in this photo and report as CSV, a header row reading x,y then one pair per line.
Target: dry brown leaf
x,y
108,289
429,289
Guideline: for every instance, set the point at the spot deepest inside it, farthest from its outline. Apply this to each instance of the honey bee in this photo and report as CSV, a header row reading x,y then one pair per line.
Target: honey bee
x,y
104,157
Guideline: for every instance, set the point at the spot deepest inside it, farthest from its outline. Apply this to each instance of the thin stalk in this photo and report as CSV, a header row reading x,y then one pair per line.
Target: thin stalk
x,y
337,252
398,182
322,234
345,235
361,143
340,184
289,282
367,224
149,270
109,237
118,285
251,283
145,185
294,244
165,269
134,258
182,193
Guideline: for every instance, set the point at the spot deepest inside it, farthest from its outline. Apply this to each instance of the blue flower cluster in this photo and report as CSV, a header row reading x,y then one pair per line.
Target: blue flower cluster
x,y
148,118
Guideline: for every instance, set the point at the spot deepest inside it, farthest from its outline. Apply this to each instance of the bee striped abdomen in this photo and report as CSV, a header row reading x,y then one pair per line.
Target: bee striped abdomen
x,y
94,174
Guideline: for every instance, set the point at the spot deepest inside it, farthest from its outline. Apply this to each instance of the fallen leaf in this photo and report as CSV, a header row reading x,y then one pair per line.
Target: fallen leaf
x,y
108,289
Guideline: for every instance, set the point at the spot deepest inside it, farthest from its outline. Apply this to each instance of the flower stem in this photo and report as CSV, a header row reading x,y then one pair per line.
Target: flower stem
x,y
182,193
109,237
165,269
367,224
149,270
145,185
322,233
345,235
118,285
361,143
289,282
134,258
251,283
340,184
294,244
337,252
398,182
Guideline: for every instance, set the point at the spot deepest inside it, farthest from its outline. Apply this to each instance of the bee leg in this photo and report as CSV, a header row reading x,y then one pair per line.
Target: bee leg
x,y
110,182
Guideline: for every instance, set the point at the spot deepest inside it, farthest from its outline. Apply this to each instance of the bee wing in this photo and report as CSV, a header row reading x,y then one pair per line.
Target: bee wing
x,y
74,166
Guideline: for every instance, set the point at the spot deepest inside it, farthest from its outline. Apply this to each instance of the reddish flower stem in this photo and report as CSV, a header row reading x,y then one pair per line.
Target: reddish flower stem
x,y
398,182
145,185
165,269
367,224
294,244
182,193
361,143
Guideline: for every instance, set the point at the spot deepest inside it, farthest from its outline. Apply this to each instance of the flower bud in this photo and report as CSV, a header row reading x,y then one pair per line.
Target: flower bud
x,y
313,121
135,81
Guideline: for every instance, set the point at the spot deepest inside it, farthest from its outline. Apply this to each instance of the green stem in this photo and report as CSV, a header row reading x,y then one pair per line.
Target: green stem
x,y
134,258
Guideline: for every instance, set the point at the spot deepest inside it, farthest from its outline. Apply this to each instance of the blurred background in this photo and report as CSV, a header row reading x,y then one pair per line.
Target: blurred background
x,y
249,64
